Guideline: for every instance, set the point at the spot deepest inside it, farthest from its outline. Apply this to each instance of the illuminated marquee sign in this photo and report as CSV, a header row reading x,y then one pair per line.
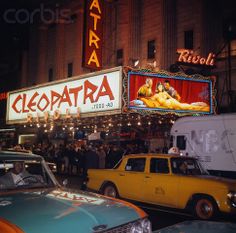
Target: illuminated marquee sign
x,y
82,95
187,56
165,93
92,57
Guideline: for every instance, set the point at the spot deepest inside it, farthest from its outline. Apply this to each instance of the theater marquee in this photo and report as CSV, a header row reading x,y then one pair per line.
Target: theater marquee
x,y
168,93
90,95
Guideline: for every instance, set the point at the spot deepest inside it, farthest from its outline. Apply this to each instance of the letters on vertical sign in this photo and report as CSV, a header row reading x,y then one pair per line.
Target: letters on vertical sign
x,y
92,55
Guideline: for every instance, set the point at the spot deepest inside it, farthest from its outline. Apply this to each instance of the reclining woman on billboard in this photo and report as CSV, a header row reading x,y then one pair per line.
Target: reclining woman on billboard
x,y
161,99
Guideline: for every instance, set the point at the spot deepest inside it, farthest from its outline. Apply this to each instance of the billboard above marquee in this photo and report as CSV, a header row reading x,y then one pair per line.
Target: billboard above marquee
x,y
89,95
166,93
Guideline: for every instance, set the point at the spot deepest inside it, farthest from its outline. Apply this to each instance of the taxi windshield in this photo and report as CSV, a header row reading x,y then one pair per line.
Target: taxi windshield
x,y
187,166
18,174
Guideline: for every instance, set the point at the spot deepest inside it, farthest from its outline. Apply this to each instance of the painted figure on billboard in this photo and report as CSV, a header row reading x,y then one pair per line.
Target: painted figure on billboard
x,y
146,89
170,90
163,99
164,93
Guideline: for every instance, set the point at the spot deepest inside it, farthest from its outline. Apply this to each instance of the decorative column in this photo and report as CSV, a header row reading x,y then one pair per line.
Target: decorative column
x,y
109,33
211,34
77,66
42,76
24,69
60,50
135,7
169,36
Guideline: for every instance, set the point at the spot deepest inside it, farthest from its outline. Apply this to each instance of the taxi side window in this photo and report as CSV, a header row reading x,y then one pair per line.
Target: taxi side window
x,y
135,164
159,165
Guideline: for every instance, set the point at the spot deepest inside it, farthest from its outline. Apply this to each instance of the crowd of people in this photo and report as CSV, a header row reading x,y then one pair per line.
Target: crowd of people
x,y
76,159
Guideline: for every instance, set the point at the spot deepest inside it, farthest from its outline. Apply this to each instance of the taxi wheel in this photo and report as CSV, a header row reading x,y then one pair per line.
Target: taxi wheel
x,y
205,208
110,190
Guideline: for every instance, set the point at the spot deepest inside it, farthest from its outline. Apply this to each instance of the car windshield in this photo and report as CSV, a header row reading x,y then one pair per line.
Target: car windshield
x,y
25,174
187,166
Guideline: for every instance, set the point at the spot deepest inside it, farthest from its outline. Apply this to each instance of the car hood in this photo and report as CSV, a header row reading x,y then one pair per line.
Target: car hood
x,y
60,211
216,181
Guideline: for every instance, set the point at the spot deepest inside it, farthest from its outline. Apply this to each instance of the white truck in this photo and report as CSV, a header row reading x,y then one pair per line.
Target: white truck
x,y
212,139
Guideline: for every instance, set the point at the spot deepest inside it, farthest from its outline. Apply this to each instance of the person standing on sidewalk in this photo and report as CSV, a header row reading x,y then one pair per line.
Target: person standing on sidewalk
x,y
91,162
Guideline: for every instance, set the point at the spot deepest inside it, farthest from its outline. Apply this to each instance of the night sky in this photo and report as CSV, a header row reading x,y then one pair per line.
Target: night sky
x,y
14,38
14,35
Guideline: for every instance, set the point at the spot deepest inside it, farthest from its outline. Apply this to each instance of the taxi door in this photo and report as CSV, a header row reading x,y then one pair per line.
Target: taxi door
x,y
131,180
160,186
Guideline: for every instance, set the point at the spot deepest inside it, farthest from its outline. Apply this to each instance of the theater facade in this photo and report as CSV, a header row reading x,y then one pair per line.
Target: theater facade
x,y
82,72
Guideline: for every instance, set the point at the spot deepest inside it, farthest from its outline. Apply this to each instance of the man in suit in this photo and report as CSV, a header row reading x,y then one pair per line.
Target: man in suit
x,y
171,91
16,176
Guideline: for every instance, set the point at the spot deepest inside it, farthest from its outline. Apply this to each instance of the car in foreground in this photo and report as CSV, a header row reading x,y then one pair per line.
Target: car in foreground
x,y
199,227
37,203
167,181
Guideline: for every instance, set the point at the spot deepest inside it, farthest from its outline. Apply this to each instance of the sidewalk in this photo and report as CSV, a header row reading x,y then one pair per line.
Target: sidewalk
x,y
74,181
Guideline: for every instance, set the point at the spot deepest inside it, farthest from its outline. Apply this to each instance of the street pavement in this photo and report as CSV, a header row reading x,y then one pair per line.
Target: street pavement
x,y
74,181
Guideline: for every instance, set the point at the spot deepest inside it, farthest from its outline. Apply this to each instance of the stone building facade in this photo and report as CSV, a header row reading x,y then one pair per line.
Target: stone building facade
x,y
145,33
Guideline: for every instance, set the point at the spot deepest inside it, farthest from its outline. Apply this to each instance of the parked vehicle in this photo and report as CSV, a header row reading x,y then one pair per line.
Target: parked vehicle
x,y
168,181
32,201
212,139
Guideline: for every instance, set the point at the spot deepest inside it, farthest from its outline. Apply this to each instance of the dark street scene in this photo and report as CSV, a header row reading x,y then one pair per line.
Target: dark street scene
x,y
118,116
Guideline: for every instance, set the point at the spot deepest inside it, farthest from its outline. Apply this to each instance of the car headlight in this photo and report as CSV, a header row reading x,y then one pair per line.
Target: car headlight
x,y
232,197
142,226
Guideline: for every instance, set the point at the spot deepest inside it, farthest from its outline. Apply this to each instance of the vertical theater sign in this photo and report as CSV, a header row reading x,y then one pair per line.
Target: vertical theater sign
x,y
84,96
92,50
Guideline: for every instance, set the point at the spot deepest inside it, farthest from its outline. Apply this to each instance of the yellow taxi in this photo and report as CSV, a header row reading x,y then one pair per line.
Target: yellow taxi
x,y
166,180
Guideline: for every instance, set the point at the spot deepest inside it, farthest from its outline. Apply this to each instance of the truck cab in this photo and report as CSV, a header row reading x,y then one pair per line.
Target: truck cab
x,y
209,138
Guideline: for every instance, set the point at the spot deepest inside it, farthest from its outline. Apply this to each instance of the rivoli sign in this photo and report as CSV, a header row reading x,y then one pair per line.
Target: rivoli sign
x,y
188,57
89,95
92,50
